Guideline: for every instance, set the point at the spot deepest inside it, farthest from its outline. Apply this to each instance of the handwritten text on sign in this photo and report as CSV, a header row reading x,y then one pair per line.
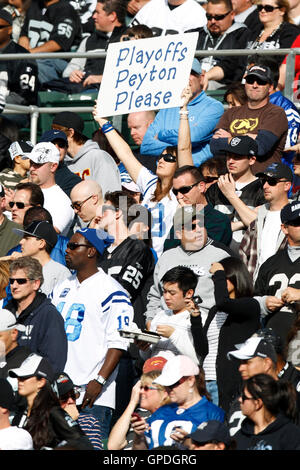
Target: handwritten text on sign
x,y
146,74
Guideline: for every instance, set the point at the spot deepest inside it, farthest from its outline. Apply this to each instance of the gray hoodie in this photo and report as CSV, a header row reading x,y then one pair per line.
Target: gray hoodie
x,y
95,164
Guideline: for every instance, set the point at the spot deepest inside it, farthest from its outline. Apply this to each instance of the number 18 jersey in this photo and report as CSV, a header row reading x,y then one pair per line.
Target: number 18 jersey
x,y
93,310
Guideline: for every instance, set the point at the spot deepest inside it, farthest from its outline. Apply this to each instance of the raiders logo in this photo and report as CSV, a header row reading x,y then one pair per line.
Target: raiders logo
x,y
243,126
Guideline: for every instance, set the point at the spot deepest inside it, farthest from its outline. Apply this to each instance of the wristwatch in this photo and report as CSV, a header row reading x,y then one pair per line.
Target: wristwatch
x,y
101,380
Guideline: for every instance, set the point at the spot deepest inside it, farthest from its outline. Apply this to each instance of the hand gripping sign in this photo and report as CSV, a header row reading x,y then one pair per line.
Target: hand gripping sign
x,y
146,74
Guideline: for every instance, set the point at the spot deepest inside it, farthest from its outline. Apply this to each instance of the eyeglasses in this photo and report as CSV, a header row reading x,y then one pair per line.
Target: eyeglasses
x,y
271,181
251,79
184,189
20,205
74,394
217,17
18,280
211,179
146,388
244,397
77,205
73,245
267,8
168,157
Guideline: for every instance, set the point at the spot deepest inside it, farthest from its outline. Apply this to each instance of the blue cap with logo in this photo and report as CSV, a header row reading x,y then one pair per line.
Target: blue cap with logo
x,y
98,238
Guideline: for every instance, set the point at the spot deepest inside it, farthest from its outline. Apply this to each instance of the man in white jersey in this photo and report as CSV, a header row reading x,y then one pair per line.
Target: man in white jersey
x,y
94,307
264,237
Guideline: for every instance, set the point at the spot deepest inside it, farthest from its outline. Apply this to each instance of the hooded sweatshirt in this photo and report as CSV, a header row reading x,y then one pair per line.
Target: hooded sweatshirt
x,y
281,434
92,163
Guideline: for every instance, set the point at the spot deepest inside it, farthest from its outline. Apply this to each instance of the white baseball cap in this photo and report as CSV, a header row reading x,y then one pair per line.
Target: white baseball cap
x,y
175,368
44,152
255,346
21,148
8,321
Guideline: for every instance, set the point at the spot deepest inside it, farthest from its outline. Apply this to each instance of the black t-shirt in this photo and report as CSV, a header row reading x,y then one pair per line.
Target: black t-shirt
x,y
59,22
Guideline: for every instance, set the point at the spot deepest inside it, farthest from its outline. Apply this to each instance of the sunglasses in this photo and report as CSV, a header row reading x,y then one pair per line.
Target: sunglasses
x,y
74,394
267,8
251,79
184,189
77,205
148,387
176,384
73,245
211,179
271,181
217,17
168,157
19,280
20,205
244,397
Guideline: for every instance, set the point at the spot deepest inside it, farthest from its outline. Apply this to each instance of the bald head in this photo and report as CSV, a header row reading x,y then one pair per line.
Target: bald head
x,y
86,196
138,124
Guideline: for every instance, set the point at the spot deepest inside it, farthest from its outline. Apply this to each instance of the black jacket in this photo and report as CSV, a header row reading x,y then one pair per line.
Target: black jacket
x,y
236,37
242,321
45,332
282,434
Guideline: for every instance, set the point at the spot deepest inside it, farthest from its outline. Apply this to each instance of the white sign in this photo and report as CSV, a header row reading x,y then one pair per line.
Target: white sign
x,y
146,74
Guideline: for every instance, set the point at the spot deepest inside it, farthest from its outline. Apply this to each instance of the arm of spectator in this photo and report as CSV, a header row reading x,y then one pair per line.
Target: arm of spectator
x,y
184,147
154,297
121,148
117,437
94,388
290,294
139,428
24,42
91,79
49,46
76,64
227,186
282,75
215,73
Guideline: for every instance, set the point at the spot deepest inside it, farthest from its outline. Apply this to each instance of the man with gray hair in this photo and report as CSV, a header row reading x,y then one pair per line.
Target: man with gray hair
x,y
44,331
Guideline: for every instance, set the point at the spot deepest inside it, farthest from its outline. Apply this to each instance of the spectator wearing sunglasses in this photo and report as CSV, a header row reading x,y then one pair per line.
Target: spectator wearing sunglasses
x,y
264,236
203,113
190,405
86,197
222,31
279,272
44,333
68,393
9,239
93,306
155,189
277,30
18,166
258,119
26,195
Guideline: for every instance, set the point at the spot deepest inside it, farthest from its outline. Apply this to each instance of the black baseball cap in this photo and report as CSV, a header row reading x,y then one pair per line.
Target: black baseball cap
x,y
255,346
64,384
33,366
69,120
40,229
211,431
290,212
277,170
243,146
53,134
6,395
260,71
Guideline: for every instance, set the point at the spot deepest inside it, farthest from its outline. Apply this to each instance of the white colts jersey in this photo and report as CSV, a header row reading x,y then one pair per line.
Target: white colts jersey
x,y
93,310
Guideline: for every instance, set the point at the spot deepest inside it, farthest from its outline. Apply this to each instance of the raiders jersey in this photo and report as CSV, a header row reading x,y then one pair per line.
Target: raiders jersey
x,y
19,76
59,22
131,263
251,194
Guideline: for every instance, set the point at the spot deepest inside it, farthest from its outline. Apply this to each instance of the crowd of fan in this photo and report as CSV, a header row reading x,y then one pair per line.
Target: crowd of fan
x,y
150,290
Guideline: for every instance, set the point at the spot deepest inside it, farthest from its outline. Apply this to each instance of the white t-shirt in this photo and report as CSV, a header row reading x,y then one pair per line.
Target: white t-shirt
x,y
54,273
93,310
157,15
14,438
269,235
162,211
59,206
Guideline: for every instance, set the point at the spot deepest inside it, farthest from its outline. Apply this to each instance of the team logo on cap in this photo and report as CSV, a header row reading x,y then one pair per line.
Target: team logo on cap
x,y
235,141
